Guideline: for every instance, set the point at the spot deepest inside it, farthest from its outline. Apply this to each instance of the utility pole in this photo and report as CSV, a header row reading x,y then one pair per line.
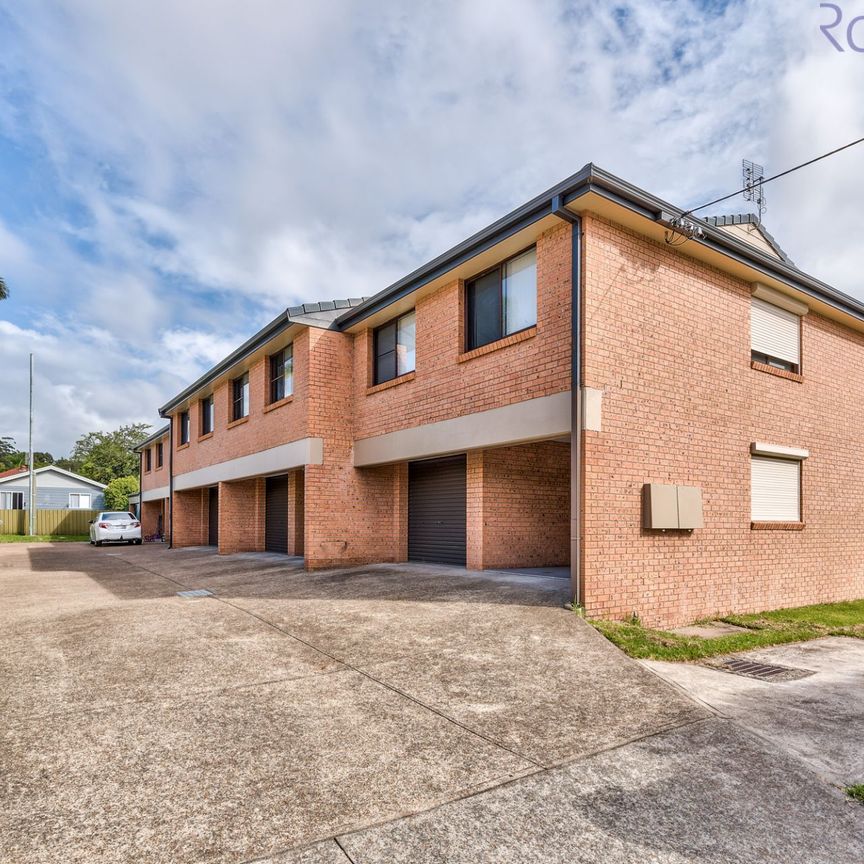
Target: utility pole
x,y
31,514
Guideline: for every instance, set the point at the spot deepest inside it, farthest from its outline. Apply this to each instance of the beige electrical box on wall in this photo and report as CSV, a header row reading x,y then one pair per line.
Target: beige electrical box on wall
x,y
666,507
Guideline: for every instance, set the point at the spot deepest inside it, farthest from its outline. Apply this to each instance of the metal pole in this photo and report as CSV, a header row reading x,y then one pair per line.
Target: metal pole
x,y
31,514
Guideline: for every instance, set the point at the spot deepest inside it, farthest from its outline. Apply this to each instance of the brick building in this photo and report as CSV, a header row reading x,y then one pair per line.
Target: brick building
x,y
154,500
705,465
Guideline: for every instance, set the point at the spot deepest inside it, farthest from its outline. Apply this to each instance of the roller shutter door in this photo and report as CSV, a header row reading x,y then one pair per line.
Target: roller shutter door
x,y
213,517
276,515
437,511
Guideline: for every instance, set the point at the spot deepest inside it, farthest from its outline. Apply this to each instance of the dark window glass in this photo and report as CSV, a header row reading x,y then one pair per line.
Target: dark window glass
x,y
240,397
484,310
148,456
208,415
282,374
159,455
768,360
395,353
184,427
502,301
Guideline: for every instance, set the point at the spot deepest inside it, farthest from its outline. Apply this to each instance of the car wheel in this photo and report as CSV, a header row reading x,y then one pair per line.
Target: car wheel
x,y
98,542
91,542
138,542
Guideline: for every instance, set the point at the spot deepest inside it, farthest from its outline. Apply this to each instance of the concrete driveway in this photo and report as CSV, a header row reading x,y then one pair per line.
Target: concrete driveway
x,y
376,714
818,719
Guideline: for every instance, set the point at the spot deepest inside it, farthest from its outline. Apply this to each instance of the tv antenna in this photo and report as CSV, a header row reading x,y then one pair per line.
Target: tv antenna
x,y
753,176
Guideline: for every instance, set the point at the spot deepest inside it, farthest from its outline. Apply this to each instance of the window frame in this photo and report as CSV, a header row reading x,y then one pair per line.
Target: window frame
x,y
160,454
762,357
470,302
798,463
240,385
207,410
185,428
377,356
79,496
148,461
278,361
11,498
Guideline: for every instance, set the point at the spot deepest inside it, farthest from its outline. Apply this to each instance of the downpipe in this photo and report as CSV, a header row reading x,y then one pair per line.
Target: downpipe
x,y
560,210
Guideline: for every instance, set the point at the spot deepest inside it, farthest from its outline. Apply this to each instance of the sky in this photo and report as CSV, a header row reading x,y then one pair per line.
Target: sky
x,y
173,175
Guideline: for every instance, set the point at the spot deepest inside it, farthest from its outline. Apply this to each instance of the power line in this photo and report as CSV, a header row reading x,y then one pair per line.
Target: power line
x,y
775,177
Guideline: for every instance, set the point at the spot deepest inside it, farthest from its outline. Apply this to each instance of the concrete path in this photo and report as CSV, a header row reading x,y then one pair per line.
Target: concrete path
x,y
818,719
385,713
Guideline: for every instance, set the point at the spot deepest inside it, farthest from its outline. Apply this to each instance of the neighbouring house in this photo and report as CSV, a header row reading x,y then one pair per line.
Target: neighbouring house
x,y
56,489
662,408
153,503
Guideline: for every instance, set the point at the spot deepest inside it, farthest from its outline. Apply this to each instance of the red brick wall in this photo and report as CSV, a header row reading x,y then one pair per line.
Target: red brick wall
x,y
296,511
668,340
526,506
443,387
350,514
191,509
150,512
156,477
242,505
263,429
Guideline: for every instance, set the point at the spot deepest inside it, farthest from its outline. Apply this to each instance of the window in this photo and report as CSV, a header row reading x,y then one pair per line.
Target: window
x,y
240,397
183,420
11,500
282,374
395,348
775,489
160,455
208,415
775,335
79,500
502,301
148,459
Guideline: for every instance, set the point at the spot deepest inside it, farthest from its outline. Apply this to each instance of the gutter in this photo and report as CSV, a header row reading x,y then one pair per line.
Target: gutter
x,y
617,191
559,210
276,326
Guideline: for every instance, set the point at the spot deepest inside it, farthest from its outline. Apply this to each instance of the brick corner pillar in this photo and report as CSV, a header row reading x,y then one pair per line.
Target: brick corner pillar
x,y
190,518
150,511
400,511
241,516
296,490
474,509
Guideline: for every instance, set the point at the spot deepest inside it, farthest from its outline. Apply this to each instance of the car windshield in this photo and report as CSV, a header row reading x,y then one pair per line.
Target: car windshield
x,y
116,517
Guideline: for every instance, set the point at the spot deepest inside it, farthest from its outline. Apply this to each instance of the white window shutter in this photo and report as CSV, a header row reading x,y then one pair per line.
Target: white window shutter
x,y
775,331
775,489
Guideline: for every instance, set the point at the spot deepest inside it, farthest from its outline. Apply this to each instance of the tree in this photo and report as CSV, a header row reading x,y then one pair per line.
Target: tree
x,y
105,456
117,492
4,290
12,457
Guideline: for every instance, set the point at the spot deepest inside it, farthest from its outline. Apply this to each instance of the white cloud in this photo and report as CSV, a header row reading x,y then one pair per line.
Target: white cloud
x,y
215,162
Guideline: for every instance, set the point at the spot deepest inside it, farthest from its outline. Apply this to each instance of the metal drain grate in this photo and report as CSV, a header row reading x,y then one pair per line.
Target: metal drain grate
x,y
197,592
760,671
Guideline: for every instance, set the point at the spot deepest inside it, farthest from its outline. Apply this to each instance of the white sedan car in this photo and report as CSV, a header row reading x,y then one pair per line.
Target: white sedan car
x,y
112,526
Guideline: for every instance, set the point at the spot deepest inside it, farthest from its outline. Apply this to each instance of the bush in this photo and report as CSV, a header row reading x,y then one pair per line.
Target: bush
x,y
117,492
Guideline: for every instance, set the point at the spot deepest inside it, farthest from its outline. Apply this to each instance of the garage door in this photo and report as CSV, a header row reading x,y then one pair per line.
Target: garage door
x,y
213,519
276,515
436,511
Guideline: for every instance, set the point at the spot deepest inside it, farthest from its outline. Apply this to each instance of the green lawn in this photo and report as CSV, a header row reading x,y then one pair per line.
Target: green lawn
x,y
856,793
763,629
44,538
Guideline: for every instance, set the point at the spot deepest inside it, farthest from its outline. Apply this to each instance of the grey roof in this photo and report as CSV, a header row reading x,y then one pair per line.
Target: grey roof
x,y
57,470
159,433
322,315
593,179
748,219
590,179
